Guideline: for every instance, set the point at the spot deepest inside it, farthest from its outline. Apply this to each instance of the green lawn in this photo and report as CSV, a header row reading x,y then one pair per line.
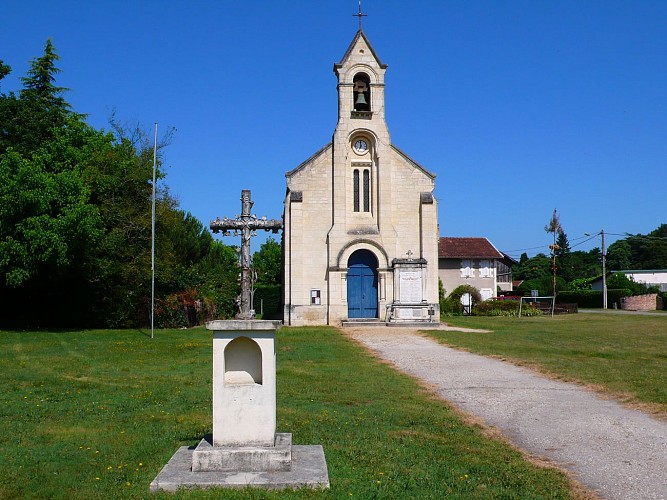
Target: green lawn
x,y
625,355
96,414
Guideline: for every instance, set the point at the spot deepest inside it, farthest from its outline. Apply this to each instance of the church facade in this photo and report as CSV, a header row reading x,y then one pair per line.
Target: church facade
x,y
360,231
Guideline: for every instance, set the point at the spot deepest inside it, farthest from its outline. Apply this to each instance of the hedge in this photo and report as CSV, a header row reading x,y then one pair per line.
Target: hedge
x,y
592,298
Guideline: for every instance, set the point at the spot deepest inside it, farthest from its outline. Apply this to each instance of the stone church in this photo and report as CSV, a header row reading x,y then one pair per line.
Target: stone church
x,y
360,221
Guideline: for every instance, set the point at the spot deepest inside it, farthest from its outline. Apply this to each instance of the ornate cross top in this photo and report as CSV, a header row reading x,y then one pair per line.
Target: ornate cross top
x,y
245,225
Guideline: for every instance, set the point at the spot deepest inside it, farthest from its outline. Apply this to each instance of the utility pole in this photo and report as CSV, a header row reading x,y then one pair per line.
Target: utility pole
x,y
604,274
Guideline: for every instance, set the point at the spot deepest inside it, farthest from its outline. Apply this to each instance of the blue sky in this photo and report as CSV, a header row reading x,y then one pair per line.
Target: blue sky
x,y
518,107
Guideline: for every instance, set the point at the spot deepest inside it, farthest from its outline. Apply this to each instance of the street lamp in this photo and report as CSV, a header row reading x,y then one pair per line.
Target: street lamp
x,y
604,271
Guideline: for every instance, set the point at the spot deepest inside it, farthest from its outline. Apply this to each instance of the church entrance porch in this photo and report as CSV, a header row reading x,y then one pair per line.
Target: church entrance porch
x,y
362,285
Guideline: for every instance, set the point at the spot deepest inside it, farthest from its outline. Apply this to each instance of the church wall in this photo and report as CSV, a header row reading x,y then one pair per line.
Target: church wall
x,y
415,223
306,225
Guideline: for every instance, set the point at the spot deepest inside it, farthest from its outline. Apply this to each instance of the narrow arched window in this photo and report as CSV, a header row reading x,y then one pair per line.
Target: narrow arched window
x,y
367,190
355,187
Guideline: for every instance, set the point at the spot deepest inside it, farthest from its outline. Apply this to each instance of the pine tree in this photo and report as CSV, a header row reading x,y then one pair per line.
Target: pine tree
x,y
31,118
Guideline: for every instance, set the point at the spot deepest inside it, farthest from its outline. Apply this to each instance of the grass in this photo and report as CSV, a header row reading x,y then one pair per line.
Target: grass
x,y
96,414
623,355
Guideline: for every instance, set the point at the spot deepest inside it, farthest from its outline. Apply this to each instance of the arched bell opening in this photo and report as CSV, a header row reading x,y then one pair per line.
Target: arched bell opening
x,y
243,362
362,92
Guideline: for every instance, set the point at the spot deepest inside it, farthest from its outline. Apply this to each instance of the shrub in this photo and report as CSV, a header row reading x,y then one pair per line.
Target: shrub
x,y
451,306
504,308
178,310
621,281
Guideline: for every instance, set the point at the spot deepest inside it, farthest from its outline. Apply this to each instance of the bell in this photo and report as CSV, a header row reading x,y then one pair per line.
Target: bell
x,y
361,99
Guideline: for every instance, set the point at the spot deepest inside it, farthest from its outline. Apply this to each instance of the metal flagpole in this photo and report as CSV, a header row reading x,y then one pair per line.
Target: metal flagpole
x,y
153,236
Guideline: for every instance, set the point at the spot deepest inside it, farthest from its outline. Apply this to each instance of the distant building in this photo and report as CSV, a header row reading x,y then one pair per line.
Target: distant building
x,y
475,262
649,277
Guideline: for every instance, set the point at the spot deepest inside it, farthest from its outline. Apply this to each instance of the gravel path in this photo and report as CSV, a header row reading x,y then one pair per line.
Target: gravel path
x,y
618,452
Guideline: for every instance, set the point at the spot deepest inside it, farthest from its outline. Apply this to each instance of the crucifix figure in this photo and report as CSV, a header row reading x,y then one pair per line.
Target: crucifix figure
x,y
246,225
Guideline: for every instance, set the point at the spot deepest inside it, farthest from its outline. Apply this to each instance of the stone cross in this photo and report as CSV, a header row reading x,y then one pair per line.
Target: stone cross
x,y
245,225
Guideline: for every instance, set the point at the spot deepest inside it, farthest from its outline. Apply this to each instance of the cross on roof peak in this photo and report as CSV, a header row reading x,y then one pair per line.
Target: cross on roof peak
x,y
360,15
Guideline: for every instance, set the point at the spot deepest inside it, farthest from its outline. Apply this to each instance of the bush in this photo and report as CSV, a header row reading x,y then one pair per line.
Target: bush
x,y
178,310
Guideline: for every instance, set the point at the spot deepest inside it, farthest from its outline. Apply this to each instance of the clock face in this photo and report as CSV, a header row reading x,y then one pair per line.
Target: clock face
x,y
360,146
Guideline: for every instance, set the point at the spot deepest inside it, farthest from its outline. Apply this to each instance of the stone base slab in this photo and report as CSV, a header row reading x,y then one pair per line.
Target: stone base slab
x,y
309,469
208,458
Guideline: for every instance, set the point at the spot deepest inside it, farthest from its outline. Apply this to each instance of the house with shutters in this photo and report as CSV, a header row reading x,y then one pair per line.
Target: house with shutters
x,y
475,262
360,233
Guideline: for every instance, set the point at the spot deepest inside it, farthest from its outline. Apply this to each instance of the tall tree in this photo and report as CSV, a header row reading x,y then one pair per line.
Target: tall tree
x,y
554,228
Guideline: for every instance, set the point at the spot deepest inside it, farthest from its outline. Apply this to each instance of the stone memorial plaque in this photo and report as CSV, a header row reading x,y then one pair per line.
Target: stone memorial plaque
x,y
410,287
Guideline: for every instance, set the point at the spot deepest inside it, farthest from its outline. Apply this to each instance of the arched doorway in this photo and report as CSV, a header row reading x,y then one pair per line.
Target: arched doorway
x,y
362,285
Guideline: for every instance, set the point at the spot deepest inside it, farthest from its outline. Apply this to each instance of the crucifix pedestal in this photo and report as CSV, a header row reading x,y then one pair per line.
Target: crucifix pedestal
x,y
245,449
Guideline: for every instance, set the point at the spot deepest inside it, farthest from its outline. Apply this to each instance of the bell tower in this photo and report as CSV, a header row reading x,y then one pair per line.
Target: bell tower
x,y
360,85
361,143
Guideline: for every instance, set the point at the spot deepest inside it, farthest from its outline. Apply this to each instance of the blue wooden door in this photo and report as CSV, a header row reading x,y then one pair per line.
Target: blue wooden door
x,y
362,285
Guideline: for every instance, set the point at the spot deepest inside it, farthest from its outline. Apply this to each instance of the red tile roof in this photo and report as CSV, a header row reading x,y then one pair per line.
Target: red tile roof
x,y
467,248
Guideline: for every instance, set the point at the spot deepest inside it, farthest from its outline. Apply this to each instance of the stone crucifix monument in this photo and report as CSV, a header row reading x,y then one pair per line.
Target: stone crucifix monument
x,y
246,225
244,449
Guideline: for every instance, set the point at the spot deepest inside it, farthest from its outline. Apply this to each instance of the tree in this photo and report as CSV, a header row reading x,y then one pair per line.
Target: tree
x,y
619,255
584,264
268,262
32,118
563,253
47,220
75,219
4,69
640,251
49,232
543,285
534,267
554,227
654,249
39,84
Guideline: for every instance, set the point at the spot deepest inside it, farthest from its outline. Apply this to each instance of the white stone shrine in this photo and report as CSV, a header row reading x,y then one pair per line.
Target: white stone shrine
x,y
244,401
